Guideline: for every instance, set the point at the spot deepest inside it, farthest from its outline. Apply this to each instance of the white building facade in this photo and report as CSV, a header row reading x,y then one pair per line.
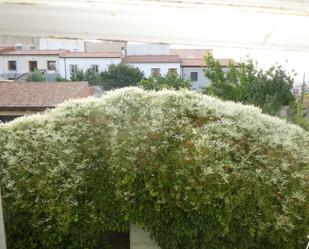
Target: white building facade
x,y
155,65
99,61
16,64
73,45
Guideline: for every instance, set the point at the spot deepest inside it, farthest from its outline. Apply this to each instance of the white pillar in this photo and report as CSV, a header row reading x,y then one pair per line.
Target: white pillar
x,y
2,231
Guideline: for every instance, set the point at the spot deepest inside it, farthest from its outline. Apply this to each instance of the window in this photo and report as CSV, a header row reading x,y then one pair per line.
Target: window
x,y
33,65
95,68
12,65
172,70
51,65
33,47
73,69
18,46
155,72
194,76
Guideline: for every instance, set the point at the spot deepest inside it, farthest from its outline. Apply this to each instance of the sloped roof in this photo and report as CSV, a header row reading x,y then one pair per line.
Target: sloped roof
x,y
186,62
91,55
35,52
34,95
6,49
152,59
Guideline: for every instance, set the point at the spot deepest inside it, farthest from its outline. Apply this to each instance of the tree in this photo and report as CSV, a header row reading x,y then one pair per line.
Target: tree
x,y
120,75
79,75
268,89
169,81
35,76
90,75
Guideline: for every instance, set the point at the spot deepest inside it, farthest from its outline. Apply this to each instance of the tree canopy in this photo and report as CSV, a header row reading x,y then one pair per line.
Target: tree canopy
x,y
35,76
168,81
268,89
196,172
116,76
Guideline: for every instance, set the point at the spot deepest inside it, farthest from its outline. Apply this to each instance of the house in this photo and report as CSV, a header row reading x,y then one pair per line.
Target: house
x,y
19,42
154,65
24,98
17,64
193,70
138,48
70,62
190,53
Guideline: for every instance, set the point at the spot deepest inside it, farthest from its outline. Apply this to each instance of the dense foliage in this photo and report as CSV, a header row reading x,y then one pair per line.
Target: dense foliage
x,y
268,89
90,75
116,76
121,75
194,171
168,81
35,76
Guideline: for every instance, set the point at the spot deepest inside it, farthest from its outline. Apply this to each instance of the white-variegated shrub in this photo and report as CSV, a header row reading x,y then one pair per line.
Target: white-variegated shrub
x,y
194,171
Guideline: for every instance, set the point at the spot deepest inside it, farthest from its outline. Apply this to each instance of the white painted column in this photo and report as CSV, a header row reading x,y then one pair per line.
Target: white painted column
x,y
139,239
2,231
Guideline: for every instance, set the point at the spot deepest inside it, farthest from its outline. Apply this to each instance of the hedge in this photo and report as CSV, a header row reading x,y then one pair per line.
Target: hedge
x,y
194,171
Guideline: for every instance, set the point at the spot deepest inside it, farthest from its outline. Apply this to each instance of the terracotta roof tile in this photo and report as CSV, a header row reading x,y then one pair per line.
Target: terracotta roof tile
x,y
152,59
185,62
91,55
33,95
6,49
35,52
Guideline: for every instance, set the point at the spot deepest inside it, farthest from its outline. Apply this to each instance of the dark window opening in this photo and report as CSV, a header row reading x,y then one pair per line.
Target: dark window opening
x,y
12,65
51,65
194,76
33,65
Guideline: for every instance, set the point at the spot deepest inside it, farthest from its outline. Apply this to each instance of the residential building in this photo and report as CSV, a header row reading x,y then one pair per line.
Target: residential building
x,y
191,53
18,63
73,45
25,98
107,46
19,42
70,62
134,48
193,69
155,65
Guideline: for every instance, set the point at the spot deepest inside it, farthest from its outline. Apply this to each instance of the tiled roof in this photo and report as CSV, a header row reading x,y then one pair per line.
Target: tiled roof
x,y
152,59
91,55
33,95
201,63
35,52
6,49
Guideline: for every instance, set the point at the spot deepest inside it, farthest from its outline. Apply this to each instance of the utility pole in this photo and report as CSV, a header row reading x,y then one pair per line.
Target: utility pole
x,y
2,231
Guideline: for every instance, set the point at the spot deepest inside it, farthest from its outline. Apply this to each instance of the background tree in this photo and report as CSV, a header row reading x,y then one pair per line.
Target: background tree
x,y
246,83
120,75
168,81
79,75
35,76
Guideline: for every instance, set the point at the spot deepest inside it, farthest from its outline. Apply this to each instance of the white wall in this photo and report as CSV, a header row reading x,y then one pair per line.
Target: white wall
x,y
84,64
139,239
70,44
22,62
146,67
148,49
202,80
